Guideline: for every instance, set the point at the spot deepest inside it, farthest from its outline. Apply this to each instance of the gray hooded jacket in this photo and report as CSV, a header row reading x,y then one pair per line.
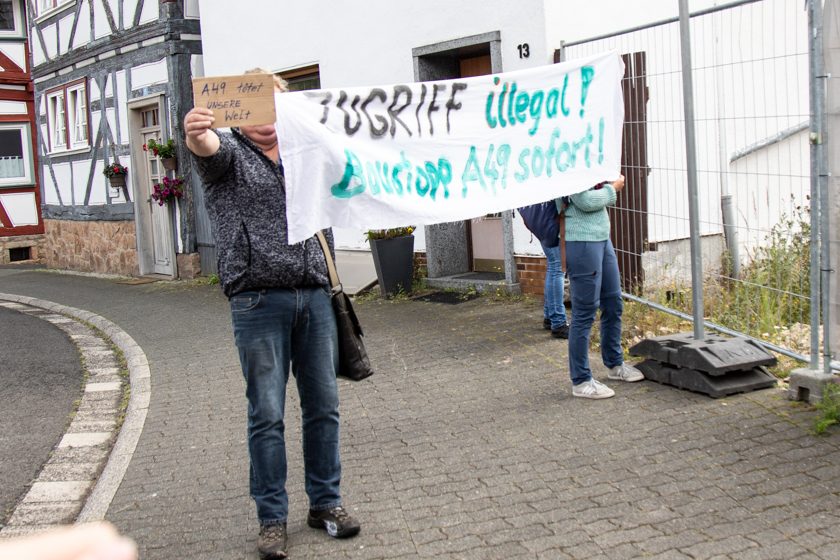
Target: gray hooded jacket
x,y
246,202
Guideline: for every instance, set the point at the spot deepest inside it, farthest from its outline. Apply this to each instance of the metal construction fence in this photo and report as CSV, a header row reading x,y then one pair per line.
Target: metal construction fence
x,y
743,209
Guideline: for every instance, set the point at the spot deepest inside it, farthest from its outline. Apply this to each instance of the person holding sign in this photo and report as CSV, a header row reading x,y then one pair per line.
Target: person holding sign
x,y
283,321
595,284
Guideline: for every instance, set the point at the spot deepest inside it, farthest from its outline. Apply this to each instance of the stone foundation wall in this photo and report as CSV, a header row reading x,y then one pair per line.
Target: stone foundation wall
x,y
36,244
189,265
108,247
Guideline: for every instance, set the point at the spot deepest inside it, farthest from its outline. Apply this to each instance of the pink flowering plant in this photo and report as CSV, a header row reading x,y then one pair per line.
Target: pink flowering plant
x,y
168,190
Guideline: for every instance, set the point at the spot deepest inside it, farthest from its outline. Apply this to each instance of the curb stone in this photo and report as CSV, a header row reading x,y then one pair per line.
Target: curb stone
x,y
70,486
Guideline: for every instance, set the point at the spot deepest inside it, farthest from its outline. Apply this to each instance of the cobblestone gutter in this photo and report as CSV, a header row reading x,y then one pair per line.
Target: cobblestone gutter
x,y
85,469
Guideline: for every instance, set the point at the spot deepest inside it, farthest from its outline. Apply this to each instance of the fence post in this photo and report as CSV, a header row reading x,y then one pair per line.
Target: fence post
x,y
831,202
691,166
816,110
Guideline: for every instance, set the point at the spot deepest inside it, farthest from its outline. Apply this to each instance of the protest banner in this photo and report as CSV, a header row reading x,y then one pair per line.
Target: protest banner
x,y
432,152
237,100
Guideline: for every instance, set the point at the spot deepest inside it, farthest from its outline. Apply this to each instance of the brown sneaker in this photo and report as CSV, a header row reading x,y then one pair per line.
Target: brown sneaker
x,y
272,541
336,521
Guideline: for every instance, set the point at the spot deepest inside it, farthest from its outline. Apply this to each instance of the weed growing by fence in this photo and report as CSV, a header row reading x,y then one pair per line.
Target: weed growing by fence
x,y
829,408
773,291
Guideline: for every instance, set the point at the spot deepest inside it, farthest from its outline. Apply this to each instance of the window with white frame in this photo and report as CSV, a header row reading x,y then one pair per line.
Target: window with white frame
x,y
77,116
67,117
15,154
10,18
46,6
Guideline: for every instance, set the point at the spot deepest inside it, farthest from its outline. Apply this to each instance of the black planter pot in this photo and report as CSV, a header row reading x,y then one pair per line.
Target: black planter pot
x,y
394,262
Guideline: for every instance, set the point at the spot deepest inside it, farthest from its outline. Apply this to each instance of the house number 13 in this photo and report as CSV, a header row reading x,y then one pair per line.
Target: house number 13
x,y
524,51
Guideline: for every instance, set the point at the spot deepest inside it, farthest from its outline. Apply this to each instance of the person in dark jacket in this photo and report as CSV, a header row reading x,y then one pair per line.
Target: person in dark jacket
x,y
282,320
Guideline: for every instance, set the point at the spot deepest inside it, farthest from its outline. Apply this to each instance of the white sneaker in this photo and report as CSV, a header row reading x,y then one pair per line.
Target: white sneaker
x,y
625,372
592,389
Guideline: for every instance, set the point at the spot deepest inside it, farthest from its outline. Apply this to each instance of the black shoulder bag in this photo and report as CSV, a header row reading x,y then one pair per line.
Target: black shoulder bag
x,y
353,362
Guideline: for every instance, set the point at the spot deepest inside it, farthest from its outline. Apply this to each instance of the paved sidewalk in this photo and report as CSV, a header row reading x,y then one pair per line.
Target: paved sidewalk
x,y
465,444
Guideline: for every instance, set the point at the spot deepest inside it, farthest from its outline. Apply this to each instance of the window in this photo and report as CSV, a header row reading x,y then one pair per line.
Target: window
x,y
302,78
67,118
47,6
15,154
10,18
77,116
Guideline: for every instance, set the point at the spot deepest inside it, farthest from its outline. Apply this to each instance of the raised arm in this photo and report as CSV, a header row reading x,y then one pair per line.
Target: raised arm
x,y
594,199
201,140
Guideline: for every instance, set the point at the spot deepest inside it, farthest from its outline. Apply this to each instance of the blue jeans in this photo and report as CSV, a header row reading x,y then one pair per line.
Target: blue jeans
x,y
274,329
553,307
595,284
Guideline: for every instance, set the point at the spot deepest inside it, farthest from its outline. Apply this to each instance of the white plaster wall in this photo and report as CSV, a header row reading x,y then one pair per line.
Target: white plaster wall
x,y
101,28
43,138
79,186
111,116
20,207
80,171
65,24
114,5
12,108
48,189
524,243
572,21
150,12
197,65
95,119
121,93
149,74
35,44
16,52
83,30
50,40
93,90
119,87
769,186
191,10
128,14
116,194
366,46
64,181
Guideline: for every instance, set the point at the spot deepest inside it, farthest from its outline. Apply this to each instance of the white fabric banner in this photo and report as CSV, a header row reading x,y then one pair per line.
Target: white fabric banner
x,y
432,152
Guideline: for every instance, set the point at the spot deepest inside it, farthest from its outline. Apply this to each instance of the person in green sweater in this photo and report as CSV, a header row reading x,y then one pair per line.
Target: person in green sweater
x,y
595,284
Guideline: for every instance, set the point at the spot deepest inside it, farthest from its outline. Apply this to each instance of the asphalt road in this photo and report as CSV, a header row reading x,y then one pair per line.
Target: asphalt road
x,y
40,378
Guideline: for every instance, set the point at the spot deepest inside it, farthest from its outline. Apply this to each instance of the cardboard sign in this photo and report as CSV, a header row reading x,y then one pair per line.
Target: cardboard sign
x,y
237,100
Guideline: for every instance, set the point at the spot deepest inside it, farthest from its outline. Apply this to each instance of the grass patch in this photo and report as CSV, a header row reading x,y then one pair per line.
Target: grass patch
x,y
828,408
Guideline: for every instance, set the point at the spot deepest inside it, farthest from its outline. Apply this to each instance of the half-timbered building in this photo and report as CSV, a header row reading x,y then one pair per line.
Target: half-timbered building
x,y
109,76
21,226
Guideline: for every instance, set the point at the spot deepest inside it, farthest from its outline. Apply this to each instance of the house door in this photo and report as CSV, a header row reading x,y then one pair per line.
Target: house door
x,y
158,243
487,249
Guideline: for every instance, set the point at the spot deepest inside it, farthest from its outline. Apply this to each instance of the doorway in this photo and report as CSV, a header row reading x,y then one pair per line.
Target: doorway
x,y
154,223
486,244
477,252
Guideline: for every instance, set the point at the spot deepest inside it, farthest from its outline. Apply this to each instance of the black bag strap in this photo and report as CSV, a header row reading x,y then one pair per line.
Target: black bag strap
x,y
335,283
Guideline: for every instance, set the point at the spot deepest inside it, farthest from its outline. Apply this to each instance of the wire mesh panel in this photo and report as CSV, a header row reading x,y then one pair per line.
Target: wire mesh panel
x,y
751,83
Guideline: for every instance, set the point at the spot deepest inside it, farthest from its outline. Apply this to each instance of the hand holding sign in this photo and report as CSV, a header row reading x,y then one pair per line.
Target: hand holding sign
x,y
245,100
